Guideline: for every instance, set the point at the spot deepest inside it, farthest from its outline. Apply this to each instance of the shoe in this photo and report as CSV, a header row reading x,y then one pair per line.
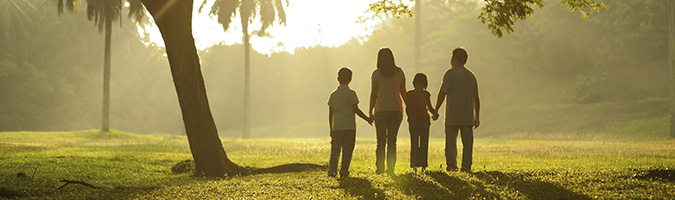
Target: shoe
x,y
344,175
454,169
332,174
379,171
465,170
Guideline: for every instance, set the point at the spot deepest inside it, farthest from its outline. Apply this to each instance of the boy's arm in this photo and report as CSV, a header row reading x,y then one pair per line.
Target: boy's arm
x,y
330,120
360,113
476,107
373,97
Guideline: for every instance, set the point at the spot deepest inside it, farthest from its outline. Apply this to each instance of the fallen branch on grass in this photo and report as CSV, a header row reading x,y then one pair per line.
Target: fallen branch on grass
x,y
76,182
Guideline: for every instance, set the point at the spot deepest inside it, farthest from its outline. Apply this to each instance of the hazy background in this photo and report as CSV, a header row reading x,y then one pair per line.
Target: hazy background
x,y
556,73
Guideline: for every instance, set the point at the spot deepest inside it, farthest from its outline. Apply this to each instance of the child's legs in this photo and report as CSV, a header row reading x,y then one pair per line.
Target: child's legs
x,y
424,146
414,142
415,131
335,146
392,134
347,150
467,146
451,147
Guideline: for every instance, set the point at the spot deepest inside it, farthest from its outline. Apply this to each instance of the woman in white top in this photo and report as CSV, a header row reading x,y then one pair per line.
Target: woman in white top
x,y
386,99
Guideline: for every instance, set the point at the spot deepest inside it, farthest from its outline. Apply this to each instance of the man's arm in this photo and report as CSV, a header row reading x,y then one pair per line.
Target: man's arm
x,y
373,97
330,120
439,101
433,111
476,107
360,113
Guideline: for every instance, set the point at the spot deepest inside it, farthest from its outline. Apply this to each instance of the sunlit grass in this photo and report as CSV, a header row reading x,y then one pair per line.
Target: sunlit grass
x,y
127,166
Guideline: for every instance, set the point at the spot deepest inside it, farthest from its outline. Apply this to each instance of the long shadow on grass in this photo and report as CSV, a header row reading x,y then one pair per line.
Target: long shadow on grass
x,y
360,188
665,175
412,184
528,185
461,189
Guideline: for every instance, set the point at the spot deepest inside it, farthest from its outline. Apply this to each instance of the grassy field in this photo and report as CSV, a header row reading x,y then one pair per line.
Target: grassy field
x,y
131,166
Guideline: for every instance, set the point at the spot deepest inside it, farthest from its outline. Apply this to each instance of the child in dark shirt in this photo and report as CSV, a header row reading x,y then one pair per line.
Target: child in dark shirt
x,y
417,108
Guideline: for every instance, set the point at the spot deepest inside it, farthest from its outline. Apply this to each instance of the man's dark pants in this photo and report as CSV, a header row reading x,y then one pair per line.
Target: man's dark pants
x,y
341,140
451,146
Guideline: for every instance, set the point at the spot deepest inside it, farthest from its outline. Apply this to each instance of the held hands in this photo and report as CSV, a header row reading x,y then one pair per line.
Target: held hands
x,y
370,121
434,117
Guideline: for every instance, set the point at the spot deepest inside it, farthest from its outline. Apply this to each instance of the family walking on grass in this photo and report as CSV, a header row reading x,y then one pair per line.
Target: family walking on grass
x,y
388,94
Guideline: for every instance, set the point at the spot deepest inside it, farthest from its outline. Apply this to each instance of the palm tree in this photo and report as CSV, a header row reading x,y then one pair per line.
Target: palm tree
x,y
225,10
103,13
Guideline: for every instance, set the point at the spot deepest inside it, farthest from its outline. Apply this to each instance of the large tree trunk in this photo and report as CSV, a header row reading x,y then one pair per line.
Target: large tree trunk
x,y
174,20
105,121
671,64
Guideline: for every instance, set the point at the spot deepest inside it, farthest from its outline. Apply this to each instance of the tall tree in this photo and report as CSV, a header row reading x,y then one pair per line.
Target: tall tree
x,y
248,9
174,20
103,13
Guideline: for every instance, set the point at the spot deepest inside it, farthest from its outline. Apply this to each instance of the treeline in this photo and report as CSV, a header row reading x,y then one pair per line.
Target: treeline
x,y
551,75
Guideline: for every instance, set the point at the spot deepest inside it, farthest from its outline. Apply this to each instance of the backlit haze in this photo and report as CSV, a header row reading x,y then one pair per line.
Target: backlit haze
x,y
308,23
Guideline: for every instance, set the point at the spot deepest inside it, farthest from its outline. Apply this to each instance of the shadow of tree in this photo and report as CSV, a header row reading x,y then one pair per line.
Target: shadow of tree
x,y
187,166
529,186
360,188
287,168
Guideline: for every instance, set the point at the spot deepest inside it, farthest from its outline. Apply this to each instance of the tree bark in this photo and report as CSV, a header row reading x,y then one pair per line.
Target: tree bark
x,y
174,20
105,119
671,63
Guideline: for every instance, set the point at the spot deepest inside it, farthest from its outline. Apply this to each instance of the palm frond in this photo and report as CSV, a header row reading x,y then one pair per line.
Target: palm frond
x,y
136,10
225,10
280,10
267,15
72,5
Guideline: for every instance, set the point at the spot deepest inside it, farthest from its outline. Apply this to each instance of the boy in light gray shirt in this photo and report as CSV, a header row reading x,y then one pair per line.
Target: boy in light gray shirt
x,y
343,104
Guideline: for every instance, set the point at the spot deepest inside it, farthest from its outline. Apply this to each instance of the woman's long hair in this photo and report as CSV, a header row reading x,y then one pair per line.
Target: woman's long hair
x,y
385,62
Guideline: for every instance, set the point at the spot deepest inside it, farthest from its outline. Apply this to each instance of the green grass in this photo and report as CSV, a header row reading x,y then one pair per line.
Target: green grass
x,y
130,166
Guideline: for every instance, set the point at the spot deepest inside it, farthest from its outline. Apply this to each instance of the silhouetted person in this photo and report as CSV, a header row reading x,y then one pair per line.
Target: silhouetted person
x,y
388,89
417,108
342,104
462,111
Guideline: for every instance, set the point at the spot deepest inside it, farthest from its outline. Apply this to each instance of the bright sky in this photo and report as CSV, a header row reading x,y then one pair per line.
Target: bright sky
x,y
308,23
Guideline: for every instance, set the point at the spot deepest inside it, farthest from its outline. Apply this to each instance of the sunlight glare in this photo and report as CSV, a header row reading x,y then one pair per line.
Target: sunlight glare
x,y
308,23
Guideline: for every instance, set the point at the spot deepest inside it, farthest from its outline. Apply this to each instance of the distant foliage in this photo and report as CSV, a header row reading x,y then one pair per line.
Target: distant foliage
x,y
30,99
